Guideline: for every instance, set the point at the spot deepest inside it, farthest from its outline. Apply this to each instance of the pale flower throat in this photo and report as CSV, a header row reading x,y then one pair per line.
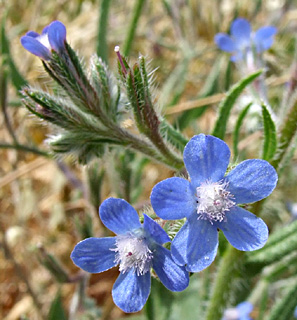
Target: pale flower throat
x,y
132,251
213,200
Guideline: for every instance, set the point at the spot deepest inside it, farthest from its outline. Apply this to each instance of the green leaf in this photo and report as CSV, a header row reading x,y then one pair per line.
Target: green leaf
x,y
160,301
270,138
173,136
95,174
83,145
286,135
238,124
286,305
106,87
84,225
102,45
133,26
56,310
53,265
227,104
280,244
16,77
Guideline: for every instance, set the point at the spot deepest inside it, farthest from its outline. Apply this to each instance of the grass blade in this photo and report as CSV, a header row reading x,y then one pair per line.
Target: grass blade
x,y
270,138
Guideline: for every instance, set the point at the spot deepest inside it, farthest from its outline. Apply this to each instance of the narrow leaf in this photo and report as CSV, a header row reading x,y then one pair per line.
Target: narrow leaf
x,y
102,46
270,138
286,135
56,309
133,26
275,249
284,308
173,136
227,104
16,77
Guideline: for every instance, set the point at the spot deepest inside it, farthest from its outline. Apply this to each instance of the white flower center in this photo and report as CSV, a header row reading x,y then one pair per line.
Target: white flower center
x,y
213,200
43,39
133,252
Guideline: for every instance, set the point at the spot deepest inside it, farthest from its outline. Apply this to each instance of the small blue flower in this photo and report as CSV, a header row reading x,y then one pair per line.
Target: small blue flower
x,y
53,37
295,313
242,39
240,312
209,202
137,248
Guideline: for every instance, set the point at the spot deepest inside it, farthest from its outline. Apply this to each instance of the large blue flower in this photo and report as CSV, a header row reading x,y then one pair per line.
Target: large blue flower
x,y
53,37
137,248
243,40
209,202
240,312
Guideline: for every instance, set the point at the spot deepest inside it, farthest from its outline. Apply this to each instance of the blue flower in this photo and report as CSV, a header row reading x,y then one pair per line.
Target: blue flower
x,y
209,202
241,312
53,37
137,248
243,40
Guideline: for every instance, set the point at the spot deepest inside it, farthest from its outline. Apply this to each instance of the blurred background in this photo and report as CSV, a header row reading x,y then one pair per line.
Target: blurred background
x,y
46,205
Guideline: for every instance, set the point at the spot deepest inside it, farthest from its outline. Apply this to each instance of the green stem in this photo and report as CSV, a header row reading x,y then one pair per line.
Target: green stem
x,y
102,46
3,102
147,149
21,147
223,283
133,27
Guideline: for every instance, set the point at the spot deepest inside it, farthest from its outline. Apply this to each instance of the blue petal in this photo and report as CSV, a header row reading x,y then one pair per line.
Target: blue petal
x,y
241,31
35,47
195,244
131,291
32,34
119,216
244,309
155,230
174,277
295,312
224,42
244,230
251,181
57,35
173,198
237,57
45,30
94,255
206,158
263,38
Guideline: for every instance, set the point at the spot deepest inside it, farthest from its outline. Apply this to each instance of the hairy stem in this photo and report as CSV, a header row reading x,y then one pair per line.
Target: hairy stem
x,y
223,283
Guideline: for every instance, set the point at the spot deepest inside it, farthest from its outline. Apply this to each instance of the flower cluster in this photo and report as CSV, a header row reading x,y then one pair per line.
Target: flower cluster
x,y
209,202
242,40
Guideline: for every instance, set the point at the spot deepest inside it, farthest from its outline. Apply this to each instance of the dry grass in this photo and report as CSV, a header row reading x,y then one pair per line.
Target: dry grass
x,y
38,203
